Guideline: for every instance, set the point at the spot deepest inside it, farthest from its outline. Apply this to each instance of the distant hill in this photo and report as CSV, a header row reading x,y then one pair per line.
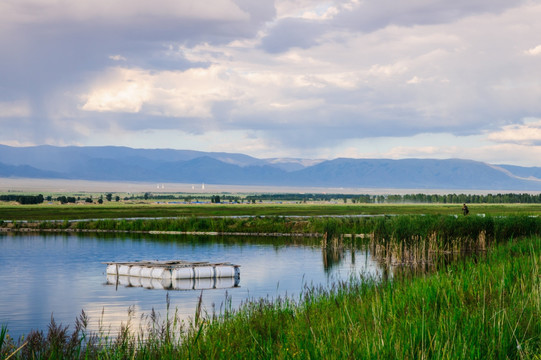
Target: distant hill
x,y
25,171
523,172
412,174
112,163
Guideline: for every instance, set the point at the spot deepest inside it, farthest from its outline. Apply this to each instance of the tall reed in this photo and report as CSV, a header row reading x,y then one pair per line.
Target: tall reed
x,y
489,309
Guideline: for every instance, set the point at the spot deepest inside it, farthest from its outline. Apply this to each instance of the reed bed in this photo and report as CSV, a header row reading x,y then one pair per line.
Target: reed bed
x,y
401,226
488,309
394,240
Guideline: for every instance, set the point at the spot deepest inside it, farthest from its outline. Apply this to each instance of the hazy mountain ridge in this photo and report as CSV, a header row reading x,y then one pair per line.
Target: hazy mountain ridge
x,y
186,166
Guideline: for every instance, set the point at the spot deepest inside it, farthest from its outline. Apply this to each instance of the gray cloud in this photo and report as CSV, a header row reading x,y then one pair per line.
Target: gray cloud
x,y
292,32
374,15
52,49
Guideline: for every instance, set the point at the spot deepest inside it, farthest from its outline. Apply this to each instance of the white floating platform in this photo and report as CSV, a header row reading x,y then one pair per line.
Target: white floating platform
x,y
173,284
173,270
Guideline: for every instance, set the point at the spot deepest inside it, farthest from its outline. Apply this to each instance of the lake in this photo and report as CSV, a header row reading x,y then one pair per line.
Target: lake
x,y
44,275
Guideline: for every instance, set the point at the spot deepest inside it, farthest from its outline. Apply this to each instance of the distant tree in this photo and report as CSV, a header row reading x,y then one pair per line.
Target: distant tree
x,y
100,201
147,196
117,198
109,197
49,198
89,200
24,199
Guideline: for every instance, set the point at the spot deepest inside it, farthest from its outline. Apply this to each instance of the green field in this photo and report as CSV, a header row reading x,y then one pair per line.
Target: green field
x,y
122,210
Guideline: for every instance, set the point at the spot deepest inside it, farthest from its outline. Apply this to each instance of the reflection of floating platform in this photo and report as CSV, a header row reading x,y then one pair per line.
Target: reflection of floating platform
x,y
173,270
173,284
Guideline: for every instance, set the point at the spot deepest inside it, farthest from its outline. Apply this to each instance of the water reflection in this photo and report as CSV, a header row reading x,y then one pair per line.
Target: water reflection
x,y
62,274
332,256
173,284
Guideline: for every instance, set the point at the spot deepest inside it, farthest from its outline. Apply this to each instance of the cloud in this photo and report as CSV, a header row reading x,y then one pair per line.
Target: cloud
x,y
522,134
436,78
51,50
305,9
370,16
299,77
534,51
117,58
292,32
33,12
189,93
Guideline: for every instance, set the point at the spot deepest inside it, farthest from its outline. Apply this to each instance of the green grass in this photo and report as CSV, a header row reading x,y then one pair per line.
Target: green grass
x,y
122,210
485,310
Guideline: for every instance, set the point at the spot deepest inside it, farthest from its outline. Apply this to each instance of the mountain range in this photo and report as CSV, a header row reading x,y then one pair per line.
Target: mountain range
x,y
112,163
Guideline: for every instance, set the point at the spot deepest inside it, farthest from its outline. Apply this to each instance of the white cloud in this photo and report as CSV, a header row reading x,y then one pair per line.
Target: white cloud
x,y
525,134
303,8
117,58
189,93
122,90
534,51
192,93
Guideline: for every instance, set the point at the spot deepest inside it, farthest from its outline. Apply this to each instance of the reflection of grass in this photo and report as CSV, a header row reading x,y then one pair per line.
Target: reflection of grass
x,y
489,308
121,210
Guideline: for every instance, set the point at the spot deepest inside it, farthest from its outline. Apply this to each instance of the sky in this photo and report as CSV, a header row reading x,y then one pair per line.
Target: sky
x,y
284,78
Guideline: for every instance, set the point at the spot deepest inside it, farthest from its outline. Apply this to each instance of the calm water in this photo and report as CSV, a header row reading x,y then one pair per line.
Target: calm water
x,y
59,275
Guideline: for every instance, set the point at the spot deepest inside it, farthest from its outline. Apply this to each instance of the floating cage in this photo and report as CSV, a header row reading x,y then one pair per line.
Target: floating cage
x,y
174,274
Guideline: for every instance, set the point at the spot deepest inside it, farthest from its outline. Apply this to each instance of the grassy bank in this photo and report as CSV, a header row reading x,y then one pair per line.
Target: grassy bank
x,y
490,309
483,308
121,210
443,231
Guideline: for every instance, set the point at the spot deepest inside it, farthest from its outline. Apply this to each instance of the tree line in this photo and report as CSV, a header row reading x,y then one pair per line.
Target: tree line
x,y
507,198
23,199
